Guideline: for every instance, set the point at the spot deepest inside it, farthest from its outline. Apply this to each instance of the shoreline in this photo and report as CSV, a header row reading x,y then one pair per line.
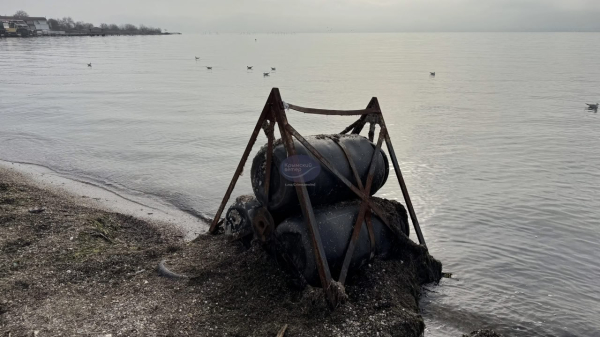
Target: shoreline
x,y
102,197
69,268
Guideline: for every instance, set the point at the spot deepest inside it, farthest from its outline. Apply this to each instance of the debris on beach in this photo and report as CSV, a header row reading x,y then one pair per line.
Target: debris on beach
x,y
313,207
36,210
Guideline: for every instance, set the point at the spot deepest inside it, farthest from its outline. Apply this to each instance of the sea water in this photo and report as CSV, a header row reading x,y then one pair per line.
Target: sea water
x,y
499,154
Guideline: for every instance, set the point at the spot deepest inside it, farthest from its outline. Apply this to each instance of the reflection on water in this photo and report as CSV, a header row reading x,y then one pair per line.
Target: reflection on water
x,y
498,150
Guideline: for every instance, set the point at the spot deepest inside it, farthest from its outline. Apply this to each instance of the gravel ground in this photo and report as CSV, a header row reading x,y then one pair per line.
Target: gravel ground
x,y
71,270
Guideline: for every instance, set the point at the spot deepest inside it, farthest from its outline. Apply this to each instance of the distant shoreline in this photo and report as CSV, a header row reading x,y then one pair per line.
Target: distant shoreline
x,y
23,25
93,34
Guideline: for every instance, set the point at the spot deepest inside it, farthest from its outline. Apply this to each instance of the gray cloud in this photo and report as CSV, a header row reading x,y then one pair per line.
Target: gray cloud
x,y
322,15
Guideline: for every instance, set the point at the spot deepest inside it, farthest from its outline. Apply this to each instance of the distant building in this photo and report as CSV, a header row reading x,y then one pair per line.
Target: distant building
x,y
96,30
37,25
14,27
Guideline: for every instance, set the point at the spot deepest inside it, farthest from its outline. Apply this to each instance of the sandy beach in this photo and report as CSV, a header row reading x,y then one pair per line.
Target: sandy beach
x,y
67,268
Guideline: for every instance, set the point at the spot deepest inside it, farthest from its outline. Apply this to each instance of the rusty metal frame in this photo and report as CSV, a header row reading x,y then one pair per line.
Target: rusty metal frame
x,y
274,113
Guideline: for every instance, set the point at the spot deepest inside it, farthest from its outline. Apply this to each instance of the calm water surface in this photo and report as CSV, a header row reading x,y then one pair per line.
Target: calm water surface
x,y
499,154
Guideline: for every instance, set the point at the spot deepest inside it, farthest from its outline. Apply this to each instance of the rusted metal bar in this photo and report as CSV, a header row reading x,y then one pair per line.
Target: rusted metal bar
x,y
403,188
371,131
352,164
240,168
361,213
409,205
360,125
382,134
366,189
363,119
381,214
304,199
331,112
352,243
350,127
371,233
270,137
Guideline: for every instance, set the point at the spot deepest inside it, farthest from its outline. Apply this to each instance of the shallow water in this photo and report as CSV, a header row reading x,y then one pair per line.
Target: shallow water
x,y
498,152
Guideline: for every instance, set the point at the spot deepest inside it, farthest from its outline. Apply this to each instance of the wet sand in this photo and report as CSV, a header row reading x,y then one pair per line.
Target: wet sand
x,y
68,268
114,199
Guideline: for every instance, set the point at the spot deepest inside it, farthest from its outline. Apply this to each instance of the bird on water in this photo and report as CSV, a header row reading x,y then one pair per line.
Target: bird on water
x,y
273,69
265,74
249,67
209,68
197,58
432,73
89,65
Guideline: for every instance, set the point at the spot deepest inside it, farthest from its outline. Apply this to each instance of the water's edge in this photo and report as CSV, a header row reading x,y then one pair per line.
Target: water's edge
x,y
143,207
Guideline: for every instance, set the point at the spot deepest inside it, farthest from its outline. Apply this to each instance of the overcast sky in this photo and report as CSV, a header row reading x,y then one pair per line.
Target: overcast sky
x,y
321,15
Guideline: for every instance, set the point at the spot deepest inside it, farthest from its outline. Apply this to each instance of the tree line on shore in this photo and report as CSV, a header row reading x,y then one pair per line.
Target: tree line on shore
x,y
67,24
